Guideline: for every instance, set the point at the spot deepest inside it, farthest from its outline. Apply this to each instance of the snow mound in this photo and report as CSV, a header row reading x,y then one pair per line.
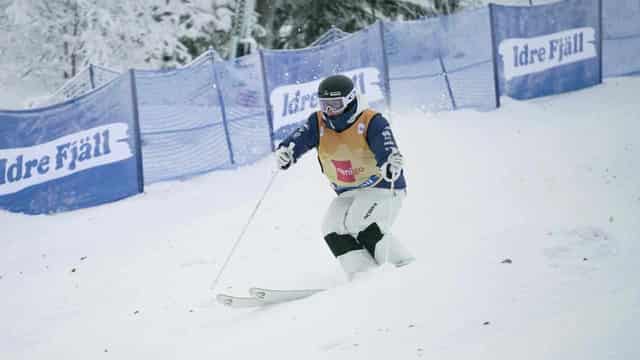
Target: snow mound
x,y
524,221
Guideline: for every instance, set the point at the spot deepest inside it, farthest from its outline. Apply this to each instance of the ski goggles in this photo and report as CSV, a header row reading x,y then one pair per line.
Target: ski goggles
x,y
336,105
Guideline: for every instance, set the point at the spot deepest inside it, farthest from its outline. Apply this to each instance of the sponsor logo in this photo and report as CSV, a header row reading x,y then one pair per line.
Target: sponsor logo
x,y
345,171
248,98
293,103
523,56
360,128
370,211
21,168
386,133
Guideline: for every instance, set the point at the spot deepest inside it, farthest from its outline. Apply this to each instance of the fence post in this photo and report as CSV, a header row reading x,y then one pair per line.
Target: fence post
x,y
385,65
267,102
446,80
91,77
494,58
223,110
444,25
600,37
136,129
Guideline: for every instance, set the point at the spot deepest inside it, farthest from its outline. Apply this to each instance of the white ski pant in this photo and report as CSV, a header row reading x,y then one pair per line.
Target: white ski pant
x,y
357,229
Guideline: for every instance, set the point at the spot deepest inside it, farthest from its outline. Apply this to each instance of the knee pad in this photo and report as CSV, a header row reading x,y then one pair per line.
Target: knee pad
x,y
370,237
341,244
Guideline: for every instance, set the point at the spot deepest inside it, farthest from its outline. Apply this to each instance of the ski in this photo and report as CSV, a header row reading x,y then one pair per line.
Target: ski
x,y
261,297
239,301
276,296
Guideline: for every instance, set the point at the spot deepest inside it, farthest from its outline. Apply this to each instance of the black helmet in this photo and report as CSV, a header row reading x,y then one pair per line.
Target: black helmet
x,y
335,93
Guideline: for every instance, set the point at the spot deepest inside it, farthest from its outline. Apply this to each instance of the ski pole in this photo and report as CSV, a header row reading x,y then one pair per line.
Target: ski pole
x,y
389,219
392,181
244,229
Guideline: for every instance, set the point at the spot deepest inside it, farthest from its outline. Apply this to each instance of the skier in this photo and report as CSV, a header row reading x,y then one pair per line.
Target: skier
x,y
358,154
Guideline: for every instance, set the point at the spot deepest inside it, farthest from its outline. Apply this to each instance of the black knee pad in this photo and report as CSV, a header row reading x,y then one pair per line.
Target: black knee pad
x,y
341,244
370,237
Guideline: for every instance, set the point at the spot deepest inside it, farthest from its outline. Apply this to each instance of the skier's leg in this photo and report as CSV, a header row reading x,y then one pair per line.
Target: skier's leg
x,y
352,256
370,217
376,243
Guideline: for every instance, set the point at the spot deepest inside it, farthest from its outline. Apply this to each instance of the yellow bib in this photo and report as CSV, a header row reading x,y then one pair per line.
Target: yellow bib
x,y
345,157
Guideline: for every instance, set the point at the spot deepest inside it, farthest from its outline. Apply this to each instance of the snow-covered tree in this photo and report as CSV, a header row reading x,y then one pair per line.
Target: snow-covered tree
x,y
450,6
301,22
54,39
213,30
297,24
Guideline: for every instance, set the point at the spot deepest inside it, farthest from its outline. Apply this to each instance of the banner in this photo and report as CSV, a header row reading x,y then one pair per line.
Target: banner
x,y
292,76
547,49
73,155
293,103
621,38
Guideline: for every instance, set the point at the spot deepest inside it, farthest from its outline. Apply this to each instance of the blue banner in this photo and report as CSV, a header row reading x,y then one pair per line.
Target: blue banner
x,y
77,154
292,76
621,37
547,49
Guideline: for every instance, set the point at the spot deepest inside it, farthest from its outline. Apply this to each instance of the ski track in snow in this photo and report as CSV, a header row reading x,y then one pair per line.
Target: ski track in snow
x,y
525,222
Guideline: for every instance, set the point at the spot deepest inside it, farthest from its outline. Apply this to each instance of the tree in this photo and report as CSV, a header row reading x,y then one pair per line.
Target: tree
x,y
54,39
214,32
450,6
299,23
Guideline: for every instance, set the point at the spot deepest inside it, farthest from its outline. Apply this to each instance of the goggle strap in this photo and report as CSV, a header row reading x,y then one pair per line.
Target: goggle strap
x,y
345,100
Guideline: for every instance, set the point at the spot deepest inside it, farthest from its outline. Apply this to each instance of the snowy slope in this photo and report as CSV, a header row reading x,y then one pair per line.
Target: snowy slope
x,y
551,184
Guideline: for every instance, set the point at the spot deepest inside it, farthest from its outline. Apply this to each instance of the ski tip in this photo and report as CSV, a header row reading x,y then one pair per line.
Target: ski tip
x,y
260,294
224,299
273,295
239,301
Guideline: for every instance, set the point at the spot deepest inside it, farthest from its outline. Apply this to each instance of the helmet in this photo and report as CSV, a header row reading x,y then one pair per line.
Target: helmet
x,y
338,100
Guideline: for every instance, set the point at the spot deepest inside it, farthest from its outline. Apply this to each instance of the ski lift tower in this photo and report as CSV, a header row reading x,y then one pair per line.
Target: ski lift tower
x,y
243,21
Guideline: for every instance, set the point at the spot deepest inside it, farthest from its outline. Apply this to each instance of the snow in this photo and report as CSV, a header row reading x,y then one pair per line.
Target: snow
x,y
551,184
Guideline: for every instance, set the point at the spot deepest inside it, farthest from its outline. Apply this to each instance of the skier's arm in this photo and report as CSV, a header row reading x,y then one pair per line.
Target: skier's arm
x,y
381,139
304,139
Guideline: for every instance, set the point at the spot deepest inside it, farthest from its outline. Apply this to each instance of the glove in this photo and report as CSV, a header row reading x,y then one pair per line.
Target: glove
x,y
284,156
392,168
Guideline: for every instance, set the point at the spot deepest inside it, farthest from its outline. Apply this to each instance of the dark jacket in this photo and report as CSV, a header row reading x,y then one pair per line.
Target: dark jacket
x,y
379,137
